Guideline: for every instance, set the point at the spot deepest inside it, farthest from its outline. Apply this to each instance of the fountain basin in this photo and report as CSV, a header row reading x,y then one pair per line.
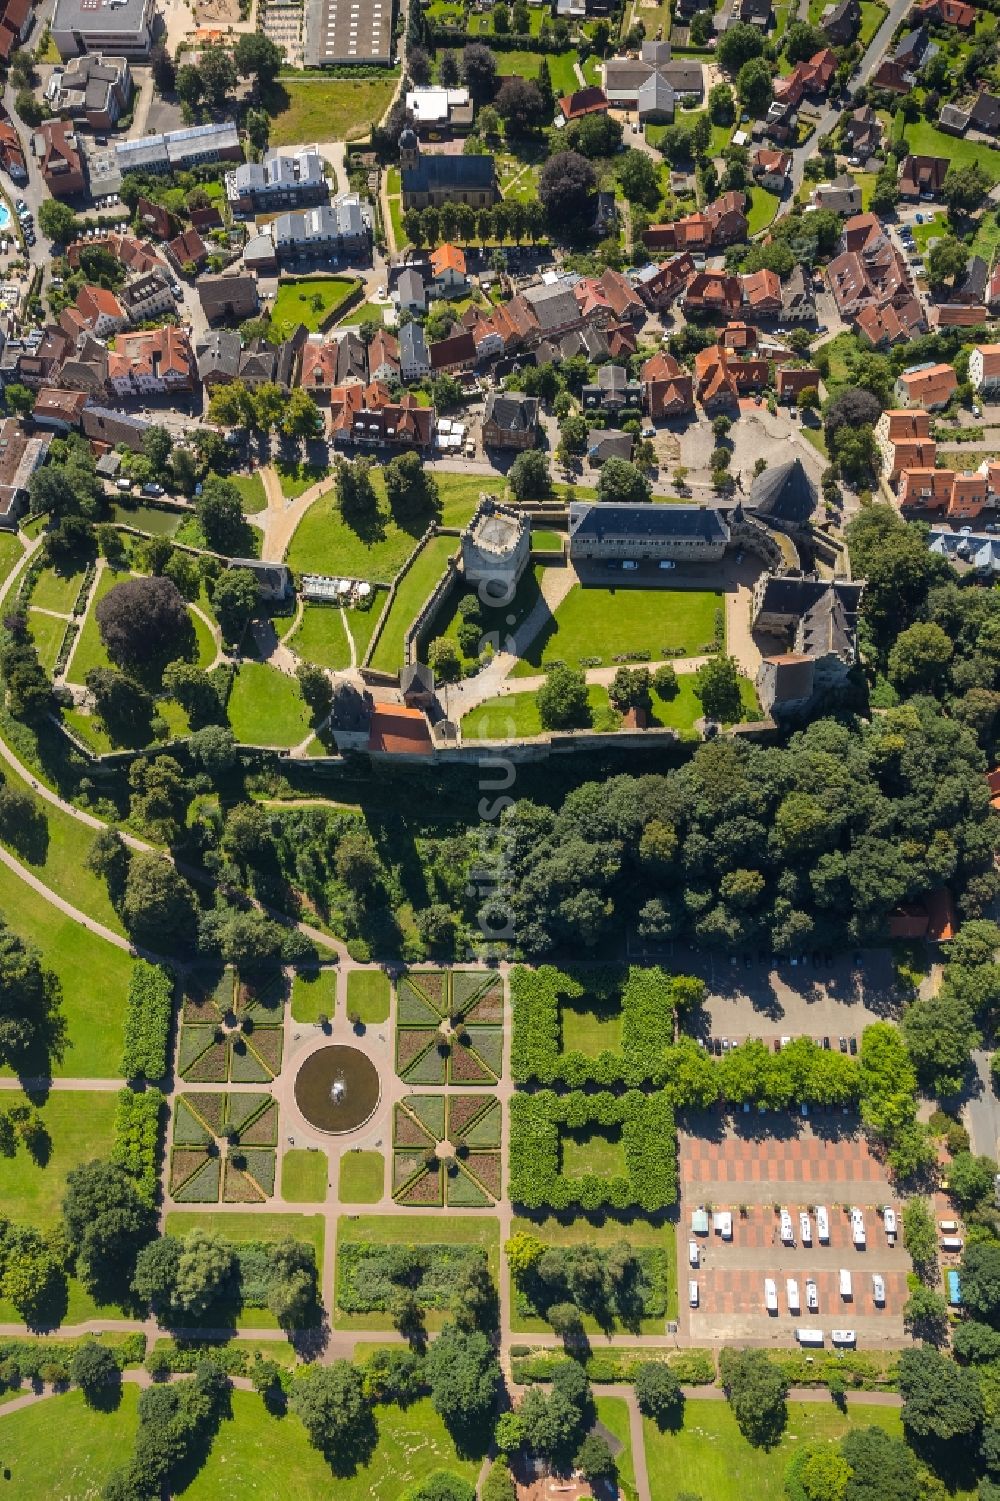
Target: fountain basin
x,y
337,1089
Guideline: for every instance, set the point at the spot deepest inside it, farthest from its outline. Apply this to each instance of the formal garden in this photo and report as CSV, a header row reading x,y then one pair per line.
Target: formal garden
x,y
232,1030
446,1150
448,1027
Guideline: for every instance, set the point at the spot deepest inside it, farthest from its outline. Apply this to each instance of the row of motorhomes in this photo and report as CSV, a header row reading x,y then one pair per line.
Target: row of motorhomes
x,y
812,1296
858,1233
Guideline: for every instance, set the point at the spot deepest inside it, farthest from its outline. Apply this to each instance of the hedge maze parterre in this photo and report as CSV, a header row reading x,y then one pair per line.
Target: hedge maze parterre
x,y
449,1027
231,1030
446,1150
247,1124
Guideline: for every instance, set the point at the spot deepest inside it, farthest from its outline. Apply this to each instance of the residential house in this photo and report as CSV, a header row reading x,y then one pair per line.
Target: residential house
x,y
723,222
667,388
11,155
715,381
739,337
928,386
383,356
20,456
135,255
762,295
947,12
599,532
914,50
791,381
265,364
894,77
660,285
229,296
382,422
885,324
414,360
343,228
798,304
612,390
842,196
656,100
510,420
771,168
218,355
869,271
493,335
57,153
411,295
863,133
152,362
434,179
841,22
970,289
147,297
605,443
58,411
588,101
110,427
812,76
94,88
713,292
953,120
448,271
984,371
985,114
154,219
439,112
961,496
458,352
100,311
188,252
16,18
903,436
318,374
280,180
686,77
922,175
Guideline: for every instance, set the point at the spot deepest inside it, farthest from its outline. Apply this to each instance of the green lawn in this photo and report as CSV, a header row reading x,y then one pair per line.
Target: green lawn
x,y
362,623
763,207
589,1026
11,552
80,1126
57,591
925,139
90,1445
594,622
325,109
515,715
325,543
314,994
254,1225
419,582
251,488
304,1176
526,65
872,16
312,300
362,1178
710,1457
502,621
295,479
593,1152
604,1232
321,637
613,1413
266,707
368,995
406,1229
151,519
371,312
90,650
47,632
933,228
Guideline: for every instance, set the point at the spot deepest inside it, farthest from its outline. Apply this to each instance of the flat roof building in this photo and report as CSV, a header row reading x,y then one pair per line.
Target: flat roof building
x,y
348,31
121,27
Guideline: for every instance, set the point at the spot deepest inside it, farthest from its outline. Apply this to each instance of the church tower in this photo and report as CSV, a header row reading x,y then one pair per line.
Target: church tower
x,y
409,149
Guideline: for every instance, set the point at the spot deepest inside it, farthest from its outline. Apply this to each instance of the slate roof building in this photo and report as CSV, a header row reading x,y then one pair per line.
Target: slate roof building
x,y
682,533
510,420
430,180
784,495
218,356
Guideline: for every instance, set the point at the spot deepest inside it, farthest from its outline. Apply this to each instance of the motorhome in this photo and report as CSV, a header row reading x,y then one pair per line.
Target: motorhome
x,y
693,1293
809,1336
770,1295
889,1221
792,1294
878,1288
822,1223
843,1336
812,1296
787,1232
857,1227
694,1252
951,1242
845,1282
805,1229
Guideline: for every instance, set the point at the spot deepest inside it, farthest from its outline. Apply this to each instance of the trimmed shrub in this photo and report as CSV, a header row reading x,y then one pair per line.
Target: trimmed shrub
x,y
148,1011
136,1145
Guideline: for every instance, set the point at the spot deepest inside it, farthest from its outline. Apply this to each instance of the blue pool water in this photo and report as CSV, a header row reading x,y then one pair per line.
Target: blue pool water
x,y
4,216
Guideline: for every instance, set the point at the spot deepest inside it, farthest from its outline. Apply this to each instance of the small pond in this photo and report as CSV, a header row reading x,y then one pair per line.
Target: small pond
x,y
337,1089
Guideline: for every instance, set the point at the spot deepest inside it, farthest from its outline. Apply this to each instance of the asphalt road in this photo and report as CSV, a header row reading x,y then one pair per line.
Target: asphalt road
x,y
982,1111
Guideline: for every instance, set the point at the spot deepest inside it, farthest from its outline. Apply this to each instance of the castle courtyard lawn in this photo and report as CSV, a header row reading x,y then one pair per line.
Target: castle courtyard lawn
x,y
413,590
325,109
515,715
304,1176
325,543
266,707
709,1456
90,652
368,995
595,622
47,632
79,1126
55,590
362,1178
312,300
321,637
314,994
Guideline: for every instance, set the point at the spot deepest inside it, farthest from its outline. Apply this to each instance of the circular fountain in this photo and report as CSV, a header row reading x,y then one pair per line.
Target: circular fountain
x,y
337,1089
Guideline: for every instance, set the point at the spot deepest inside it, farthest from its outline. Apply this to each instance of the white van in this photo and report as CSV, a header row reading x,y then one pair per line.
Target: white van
x,y
805,1229
878,1288
843,1336
770,1295
822,1223
694,1252
951,1242
948,1227
845,1282
693,1293
792,1294
787,1233
857,1227
812,1296
809,1336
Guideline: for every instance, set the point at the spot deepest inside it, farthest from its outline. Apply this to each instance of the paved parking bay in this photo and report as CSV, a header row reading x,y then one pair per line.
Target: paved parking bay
x,y
753,1166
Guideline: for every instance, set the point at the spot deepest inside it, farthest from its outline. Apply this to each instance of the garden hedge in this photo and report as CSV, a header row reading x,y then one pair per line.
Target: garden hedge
x,y
691,1367
148,1010
649,1141
136,1145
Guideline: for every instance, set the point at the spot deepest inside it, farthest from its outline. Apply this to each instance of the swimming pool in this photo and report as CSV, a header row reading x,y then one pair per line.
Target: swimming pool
x,y
4,216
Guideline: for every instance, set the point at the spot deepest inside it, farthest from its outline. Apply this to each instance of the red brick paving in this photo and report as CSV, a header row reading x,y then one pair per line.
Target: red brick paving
x,y
734,1290
805,1158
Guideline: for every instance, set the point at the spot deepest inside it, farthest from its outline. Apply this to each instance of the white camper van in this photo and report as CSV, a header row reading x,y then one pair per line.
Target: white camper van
x,y
812,1296
845,1282
809,1336
878,1288
822,1223
792,1294
770,1295
805,1229
787,1232
857,1227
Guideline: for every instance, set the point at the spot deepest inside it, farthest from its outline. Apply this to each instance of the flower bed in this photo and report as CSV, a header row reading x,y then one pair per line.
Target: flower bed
x,y
203,1186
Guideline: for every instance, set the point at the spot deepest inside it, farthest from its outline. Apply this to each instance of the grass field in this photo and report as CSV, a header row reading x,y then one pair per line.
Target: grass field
x,y
314,994
57,591
362,1178
638,1232
418,583
416,1230
304,1176
91,1444
325,543
312,300
266,707
516,715
47,632
251,488
502,621
90,648
238,1227
321,637
613,1413
79,1126
923,138
368,995
589,1026
604,622
872,16
11,552
589,1151
325,109
149,519
295,479
371,312
710,1457
763,207
526,65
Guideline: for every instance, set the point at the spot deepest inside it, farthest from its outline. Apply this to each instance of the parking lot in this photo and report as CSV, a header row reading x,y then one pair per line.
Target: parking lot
x,y
748,1165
